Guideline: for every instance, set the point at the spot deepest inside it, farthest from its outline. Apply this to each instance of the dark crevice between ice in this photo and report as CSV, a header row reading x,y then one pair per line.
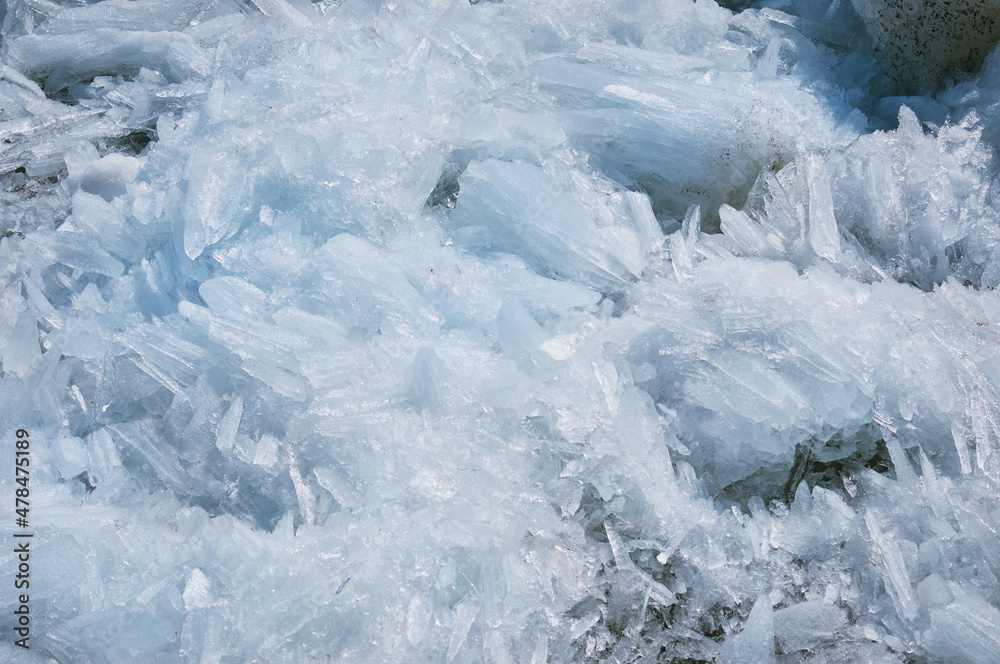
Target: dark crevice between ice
x,y
251,496
134,142
619,300
592,513
84,479
446,190
637,629
445,193
825,464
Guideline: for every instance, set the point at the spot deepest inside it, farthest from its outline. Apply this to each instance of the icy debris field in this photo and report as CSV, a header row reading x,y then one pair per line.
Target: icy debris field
x,y
515,332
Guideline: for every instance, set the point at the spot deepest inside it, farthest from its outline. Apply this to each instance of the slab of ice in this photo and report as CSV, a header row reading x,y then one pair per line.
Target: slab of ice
x,y
964,629
805,625
532,215
60,59
756,642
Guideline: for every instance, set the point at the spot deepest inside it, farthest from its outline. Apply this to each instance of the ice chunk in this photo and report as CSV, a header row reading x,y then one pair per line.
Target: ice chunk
x,y
517,330
756,642
338,486
22,350
747,236
631,590
129,15
283,10
823,233
645,223
267,451
428,378
904,471
464,616
142,438
228,427
529,214
72,456
197,591
109,176
966,629
61,59
805,625
40,303
94,215
104,461
80,251
934,591
212,207
164,354
418,616
303,491
894,568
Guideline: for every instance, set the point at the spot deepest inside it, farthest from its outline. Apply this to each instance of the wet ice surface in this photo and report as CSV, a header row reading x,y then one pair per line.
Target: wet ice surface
x,y
510,332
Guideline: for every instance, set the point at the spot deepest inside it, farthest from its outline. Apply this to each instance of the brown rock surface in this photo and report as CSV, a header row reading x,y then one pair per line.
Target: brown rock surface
x,y
922,42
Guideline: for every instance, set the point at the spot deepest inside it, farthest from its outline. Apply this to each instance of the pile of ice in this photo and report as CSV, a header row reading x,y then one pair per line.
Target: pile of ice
x,y
515,332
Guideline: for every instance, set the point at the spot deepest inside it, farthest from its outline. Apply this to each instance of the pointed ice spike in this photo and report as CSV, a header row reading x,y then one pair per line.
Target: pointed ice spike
x,y
756,642
824,236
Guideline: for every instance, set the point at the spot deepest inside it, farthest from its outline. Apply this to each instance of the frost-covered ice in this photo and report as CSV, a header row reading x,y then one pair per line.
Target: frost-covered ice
x,y
520,332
